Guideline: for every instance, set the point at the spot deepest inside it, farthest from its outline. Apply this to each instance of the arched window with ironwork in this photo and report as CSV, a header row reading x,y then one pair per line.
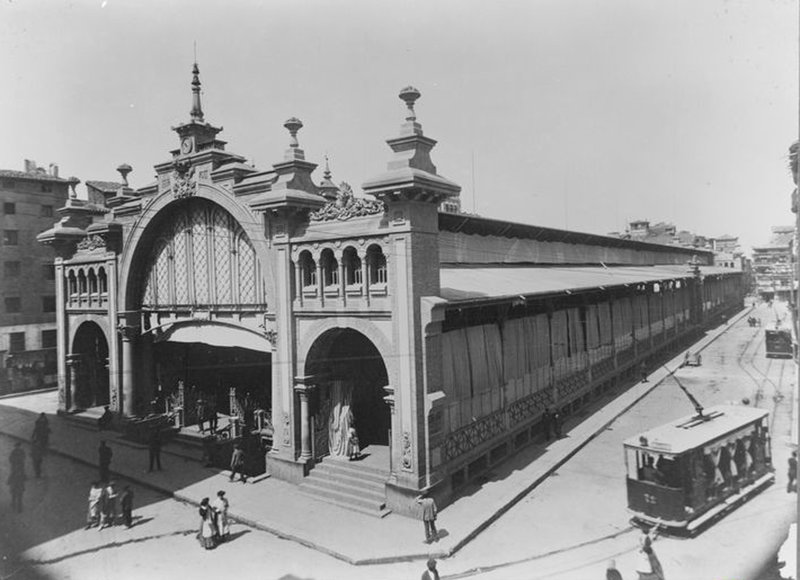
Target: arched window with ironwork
x,y
102,282
352,269
81,283
93,293
308,271
72,286
330,269
376,265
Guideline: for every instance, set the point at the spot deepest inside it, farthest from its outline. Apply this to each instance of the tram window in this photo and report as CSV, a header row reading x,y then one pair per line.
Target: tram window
x,y
631,462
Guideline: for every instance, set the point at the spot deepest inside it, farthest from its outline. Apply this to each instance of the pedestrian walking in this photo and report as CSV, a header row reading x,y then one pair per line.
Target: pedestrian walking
x,y
429,518
40,441
431,573
95,505
213,417
154,448
110,495
237,464
611,571
557,423
547,424
126,504
104,455
649,566
16,476
792,485
220,507
643,371
200,409
207,531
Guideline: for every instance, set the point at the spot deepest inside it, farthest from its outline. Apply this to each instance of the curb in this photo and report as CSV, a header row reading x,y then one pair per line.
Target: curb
x,y
422,555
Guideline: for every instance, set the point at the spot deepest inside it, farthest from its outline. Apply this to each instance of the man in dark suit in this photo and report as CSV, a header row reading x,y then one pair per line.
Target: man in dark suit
x,y
154,449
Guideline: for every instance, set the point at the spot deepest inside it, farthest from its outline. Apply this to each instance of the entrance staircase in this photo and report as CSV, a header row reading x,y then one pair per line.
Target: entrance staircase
x,y
351,485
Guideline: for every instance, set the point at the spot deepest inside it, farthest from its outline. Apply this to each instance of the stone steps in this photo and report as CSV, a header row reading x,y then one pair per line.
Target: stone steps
x,y
349,485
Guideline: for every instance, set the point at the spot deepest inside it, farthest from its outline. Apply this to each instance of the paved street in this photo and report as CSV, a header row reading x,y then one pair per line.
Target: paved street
x,y
566,528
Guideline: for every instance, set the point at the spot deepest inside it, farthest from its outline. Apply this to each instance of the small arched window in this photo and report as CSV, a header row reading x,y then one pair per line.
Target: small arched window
x,y
376,263
330,268
72,285
352,267
92,282
81,282
308,271
103,281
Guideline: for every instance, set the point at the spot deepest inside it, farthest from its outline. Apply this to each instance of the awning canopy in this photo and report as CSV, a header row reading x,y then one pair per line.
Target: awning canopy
x,y
215,334
471,283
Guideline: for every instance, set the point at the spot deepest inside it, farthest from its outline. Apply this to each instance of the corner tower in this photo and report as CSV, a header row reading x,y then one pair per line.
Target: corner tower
x,y
412,191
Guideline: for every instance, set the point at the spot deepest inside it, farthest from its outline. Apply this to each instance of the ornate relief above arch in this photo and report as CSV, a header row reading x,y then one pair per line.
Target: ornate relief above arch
x,y
200,256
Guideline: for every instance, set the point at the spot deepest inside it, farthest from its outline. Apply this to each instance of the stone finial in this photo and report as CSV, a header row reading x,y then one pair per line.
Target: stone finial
x,y
197,110
293,125
73,183
124,170
327,173
410,96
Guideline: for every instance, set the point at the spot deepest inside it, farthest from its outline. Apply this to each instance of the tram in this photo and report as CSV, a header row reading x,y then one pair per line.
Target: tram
x,y
689,472
778,343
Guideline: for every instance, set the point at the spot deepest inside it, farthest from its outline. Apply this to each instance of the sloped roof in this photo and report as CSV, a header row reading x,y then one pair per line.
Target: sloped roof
x,y
684,434
493,282
105,186
31,176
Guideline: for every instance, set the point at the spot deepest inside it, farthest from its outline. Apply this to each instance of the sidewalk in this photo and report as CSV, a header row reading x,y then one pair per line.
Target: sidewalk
x,y
279,508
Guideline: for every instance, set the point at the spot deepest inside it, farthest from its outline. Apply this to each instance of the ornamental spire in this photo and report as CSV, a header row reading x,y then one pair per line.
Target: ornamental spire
x,y
197,109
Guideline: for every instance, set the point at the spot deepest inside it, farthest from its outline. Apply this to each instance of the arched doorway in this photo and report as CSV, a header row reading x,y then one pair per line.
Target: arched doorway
x,y
90,350
349,373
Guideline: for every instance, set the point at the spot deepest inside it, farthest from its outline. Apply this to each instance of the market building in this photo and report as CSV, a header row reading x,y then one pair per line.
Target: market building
x,y
442,337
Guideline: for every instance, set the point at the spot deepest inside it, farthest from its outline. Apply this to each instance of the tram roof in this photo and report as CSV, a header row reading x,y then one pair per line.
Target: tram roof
x,y
462,283
686,433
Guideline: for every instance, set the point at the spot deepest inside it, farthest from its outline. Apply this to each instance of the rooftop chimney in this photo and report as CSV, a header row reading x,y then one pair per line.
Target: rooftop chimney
x,y
54,170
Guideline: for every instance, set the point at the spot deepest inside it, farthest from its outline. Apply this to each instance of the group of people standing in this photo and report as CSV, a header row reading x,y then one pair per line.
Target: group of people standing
x,y
108,505
215,526
40,441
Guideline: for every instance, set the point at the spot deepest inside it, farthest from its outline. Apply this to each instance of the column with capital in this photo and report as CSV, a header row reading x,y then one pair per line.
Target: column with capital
x,y
389,400
73,361
305,420
128,333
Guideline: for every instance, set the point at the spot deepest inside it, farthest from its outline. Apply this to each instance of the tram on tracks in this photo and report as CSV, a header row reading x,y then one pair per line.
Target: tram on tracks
x,y
778,343
687,473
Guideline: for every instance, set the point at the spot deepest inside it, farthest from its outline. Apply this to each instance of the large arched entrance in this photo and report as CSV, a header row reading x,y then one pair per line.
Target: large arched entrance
x,y
90,353
200,295
349,374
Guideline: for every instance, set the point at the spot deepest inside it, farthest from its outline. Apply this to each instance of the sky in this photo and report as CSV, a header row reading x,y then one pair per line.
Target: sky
x,y
583,114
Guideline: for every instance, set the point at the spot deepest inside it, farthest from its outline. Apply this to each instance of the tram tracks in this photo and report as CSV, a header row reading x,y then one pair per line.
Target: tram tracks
x,y
763,378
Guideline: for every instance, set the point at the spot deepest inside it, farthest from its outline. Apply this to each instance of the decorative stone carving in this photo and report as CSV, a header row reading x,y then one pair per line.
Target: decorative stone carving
x,y
184,183
271,336
113,400
287,430
91,243
347,206
407,464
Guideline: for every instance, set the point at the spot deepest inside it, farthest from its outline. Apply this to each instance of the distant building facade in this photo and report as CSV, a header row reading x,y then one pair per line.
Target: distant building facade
x,y
30,199
773,265
441,337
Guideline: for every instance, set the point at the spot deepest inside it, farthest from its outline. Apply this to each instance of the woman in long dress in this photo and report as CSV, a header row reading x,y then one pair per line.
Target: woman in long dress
x,y
220,507
208,528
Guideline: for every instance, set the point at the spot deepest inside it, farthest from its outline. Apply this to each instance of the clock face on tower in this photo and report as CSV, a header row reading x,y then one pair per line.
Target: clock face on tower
x,y
186,146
